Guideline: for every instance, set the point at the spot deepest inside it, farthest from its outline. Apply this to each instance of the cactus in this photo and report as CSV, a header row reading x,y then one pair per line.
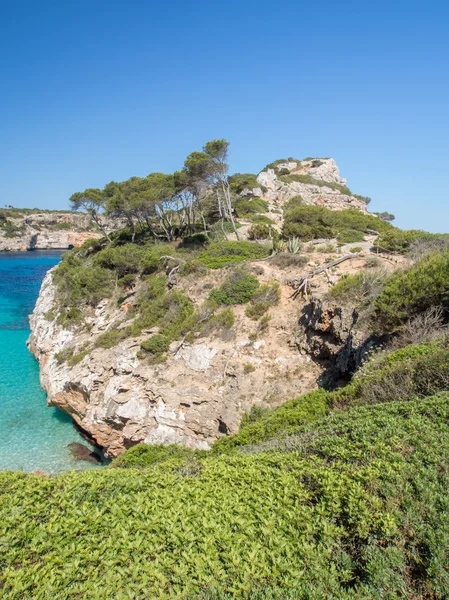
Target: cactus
x,y
293,245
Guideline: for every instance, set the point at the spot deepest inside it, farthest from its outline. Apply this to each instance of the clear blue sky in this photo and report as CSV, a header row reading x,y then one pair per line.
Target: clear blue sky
x,y
95,90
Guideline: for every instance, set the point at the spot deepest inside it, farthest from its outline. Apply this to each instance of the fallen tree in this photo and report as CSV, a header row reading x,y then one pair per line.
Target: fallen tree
x,y
302,285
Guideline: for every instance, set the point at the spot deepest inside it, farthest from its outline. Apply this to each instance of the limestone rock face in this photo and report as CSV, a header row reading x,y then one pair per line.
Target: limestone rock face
x,y
274,189
49,231
198,394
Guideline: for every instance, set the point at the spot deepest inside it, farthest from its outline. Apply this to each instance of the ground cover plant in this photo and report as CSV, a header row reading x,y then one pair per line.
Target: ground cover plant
x,y
353,507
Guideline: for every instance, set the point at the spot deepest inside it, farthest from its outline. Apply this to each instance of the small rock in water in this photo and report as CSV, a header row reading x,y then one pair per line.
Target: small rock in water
x,y
82,452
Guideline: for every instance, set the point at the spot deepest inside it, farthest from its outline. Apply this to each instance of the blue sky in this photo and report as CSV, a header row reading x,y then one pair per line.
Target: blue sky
x,y
95,90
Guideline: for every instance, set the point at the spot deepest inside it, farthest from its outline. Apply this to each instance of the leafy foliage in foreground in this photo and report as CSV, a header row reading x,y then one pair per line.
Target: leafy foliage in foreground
x,y
355,507
412,291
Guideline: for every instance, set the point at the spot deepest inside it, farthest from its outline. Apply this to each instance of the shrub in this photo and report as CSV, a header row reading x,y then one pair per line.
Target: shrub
x,y
350,236
258,232
398,240
356,249
241,181
193,267
314,222
222,254
225,318
285,260
127,281
412,291
360,287
248,207
109,339
238,288
122,259
157,345
326,249
264,298
293,203
248,368
79,283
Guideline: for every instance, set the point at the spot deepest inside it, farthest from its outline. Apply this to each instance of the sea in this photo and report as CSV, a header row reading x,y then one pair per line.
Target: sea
x,y
32,435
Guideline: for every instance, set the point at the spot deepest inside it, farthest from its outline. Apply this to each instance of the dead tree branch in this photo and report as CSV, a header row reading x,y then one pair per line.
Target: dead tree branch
x,y
302,285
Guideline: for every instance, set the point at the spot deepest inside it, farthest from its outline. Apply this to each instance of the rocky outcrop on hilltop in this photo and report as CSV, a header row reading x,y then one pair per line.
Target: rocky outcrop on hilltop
x,y
208,380
317,181
199,394
29,230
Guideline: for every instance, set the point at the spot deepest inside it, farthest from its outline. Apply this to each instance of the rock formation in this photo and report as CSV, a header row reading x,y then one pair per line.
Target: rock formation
x,y
29,230
208,382
197,395
317,181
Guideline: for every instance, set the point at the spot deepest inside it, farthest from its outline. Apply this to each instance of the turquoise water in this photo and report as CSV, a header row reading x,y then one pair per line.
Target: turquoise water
x,y
32,435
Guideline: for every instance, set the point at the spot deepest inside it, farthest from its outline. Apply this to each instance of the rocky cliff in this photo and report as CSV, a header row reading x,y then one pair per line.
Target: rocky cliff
x,y
197,395
317,181
34,230
210,379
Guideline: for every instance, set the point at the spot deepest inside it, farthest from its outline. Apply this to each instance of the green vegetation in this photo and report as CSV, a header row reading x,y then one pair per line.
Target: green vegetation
x,y
156,345
259,231
223,254
263,299
412,291
350,508
247,207
360,287
238,288
335,494
400,241
109,339
242,181
415,371
314,222
309,180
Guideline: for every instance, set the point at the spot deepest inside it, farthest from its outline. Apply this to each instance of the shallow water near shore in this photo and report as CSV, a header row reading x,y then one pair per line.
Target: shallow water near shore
x,y
32,435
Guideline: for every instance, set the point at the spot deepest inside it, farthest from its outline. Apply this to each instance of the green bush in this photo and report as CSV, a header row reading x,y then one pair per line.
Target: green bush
x,y
360,287
109,339
412,291
258,231
286,260
79,283
293,203
313,222
241,181
157,345
225,318
193,267
263,299
350,236
399,241
248,207
238,288
223,254
122,259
